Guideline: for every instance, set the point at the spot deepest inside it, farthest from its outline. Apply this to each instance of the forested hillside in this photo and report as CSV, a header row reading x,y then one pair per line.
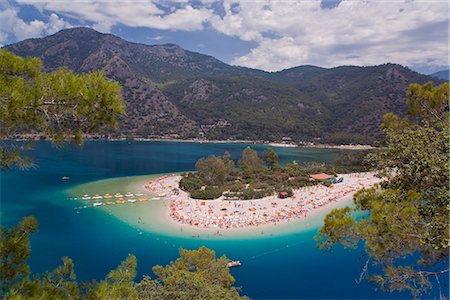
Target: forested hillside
x,y
169,91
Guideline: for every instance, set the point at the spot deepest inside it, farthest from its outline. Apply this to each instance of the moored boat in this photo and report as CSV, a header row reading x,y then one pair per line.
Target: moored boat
x,y
234,263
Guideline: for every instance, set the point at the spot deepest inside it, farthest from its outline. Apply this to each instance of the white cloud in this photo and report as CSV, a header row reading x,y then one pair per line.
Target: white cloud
x,y
290,33
143,13
13,27
287,33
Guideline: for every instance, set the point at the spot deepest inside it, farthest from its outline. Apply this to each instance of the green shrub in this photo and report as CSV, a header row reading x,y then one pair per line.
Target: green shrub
x,y
208,193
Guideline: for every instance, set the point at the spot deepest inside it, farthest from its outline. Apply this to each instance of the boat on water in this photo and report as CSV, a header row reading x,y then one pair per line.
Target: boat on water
x,y
162,195
97,196
109,203
65,178
107,196
234,263
129,195
86,197
142,199
131,200
139,195
98,203
120,201
156,198
118,195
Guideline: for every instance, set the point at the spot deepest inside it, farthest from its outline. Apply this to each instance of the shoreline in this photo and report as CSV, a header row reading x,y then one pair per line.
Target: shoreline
x,y
153,215
356,147
221,216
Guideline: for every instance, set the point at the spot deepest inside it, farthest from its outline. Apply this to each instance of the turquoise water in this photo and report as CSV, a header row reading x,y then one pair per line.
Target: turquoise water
x,y
288,266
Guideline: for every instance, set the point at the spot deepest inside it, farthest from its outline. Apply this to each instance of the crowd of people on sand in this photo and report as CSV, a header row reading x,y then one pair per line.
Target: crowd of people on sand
x,y
163,187
228,214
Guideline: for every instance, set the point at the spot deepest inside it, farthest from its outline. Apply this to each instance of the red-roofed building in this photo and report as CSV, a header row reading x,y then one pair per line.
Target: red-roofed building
x,y
321,176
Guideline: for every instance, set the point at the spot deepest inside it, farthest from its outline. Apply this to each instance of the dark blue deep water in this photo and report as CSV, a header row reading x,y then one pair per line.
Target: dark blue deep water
x,y
282,267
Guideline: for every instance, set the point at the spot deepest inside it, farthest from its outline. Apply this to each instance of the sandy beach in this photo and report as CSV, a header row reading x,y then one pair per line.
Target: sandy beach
x,y
167,210
224,216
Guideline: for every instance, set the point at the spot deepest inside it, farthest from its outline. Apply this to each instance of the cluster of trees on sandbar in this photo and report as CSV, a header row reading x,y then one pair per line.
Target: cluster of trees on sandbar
x,y
253,178
256,177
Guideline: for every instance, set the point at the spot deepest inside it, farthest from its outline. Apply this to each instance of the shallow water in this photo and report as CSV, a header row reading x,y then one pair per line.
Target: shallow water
x,y
285,265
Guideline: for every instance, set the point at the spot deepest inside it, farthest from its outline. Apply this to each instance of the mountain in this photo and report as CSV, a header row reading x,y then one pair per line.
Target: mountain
x,y
171,91
357,97
444,74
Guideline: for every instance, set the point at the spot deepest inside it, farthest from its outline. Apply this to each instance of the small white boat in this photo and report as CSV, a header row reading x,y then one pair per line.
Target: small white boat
x,y
97,196
98,203
86,197
156,198
236,263
162,195
129,195
139,195
131,200
65,178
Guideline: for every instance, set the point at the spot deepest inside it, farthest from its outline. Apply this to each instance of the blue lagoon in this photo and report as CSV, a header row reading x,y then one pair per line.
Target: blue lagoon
x,y
282,263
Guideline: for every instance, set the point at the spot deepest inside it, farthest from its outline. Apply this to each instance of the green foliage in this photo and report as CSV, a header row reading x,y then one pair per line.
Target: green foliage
x,y
252,180
250,164
197,274
14,252
295,170
60,105
271,159
208,193
408,213
119,283
191,182
212,169
58,284
228,163
317,167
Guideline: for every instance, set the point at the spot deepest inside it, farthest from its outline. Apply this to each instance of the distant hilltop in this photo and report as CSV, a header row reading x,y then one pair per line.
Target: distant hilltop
x,y
169,91
444,74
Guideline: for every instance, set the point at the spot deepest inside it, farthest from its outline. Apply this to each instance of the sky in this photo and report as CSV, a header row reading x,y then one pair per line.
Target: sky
x,y
264,34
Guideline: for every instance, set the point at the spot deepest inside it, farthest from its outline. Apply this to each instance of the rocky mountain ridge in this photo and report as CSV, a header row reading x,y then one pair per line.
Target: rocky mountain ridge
x,y
169,91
